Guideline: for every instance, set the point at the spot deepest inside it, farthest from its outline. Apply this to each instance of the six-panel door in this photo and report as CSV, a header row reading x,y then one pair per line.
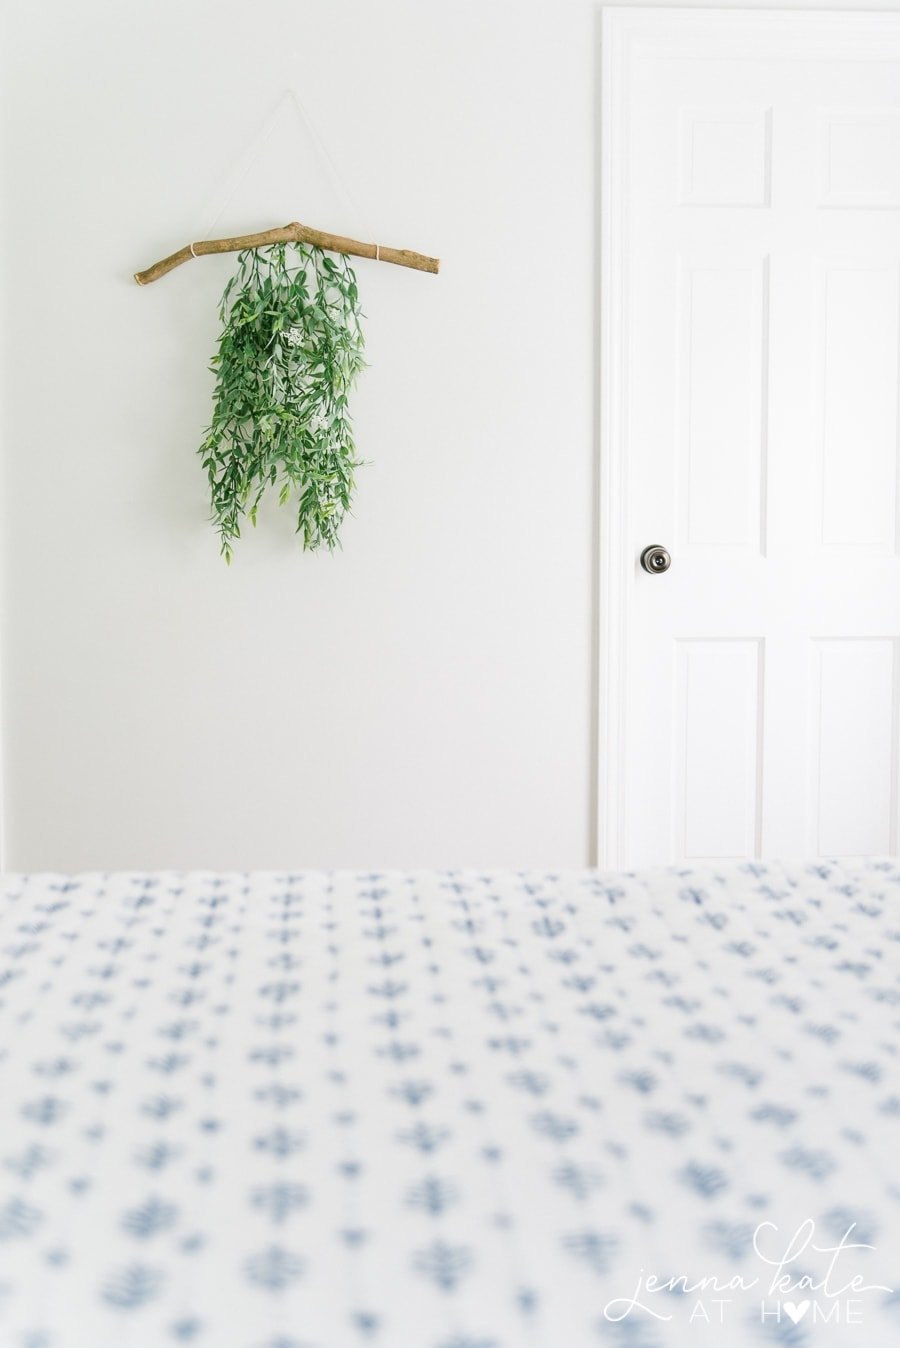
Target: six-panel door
x,y
753,256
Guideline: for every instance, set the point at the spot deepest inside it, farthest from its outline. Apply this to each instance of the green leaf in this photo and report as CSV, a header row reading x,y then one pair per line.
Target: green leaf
x,y
280,406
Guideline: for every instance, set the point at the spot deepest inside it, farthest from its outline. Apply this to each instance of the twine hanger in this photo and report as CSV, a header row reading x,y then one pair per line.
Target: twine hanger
x,y
295,232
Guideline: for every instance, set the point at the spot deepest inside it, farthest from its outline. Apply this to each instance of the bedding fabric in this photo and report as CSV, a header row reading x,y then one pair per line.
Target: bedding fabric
x,y
451,1110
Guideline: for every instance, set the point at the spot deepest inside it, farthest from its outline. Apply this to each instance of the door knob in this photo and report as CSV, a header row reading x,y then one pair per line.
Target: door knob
x,y
655,559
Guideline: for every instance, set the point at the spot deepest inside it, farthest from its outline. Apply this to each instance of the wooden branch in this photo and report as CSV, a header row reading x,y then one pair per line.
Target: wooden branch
x,y
292,233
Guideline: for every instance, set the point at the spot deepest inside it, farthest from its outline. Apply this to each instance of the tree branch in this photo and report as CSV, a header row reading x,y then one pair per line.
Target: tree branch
x,y
292,233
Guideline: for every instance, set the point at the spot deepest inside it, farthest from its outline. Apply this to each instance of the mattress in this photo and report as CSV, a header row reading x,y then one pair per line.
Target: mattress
x,y
451,1110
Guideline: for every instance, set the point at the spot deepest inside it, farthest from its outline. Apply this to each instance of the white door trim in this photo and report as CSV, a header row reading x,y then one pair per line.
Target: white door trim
x,y
704,33
616,31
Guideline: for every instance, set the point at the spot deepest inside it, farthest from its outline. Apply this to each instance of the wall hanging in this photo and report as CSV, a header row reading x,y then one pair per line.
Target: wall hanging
x,y
290,350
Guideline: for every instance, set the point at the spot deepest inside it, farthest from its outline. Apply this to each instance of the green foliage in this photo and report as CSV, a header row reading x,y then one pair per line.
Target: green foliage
x,y
288,356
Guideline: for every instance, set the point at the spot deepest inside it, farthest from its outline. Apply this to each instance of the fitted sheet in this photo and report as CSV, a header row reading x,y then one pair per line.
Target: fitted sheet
x,y
450,1110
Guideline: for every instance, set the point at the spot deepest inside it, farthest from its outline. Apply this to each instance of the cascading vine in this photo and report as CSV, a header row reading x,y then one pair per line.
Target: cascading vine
x,y
290,351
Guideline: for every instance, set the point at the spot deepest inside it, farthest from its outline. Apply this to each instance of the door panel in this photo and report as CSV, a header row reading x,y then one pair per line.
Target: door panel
x,y
722,368
718,720
856,402
854,708
750,392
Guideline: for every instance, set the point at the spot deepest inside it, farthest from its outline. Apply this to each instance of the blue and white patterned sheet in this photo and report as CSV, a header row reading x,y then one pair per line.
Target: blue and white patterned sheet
x,y
450,1110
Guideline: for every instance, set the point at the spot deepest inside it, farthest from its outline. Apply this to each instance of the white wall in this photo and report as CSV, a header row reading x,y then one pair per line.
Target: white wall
x,y
424,696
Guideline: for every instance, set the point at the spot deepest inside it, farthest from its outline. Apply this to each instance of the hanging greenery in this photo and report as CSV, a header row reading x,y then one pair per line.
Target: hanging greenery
x,y
288,356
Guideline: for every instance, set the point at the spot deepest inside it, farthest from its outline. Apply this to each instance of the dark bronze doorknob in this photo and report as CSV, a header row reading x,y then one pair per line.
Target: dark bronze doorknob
x,y
655,560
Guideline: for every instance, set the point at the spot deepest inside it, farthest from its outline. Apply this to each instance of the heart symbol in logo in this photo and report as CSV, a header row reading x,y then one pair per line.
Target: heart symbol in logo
x,y
796,1312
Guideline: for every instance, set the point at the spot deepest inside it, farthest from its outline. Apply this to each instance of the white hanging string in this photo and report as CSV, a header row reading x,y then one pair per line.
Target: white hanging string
x,y
338,182
350,201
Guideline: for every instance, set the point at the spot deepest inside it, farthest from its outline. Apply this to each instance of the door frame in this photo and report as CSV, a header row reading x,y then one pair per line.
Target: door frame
x,y
803,32
612,505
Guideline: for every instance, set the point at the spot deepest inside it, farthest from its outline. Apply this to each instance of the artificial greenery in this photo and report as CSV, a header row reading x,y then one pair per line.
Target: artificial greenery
x,y
289,353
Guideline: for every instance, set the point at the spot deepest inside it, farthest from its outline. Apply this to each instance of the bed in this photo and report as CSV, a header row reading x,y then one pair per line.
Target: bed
x,y
451,1110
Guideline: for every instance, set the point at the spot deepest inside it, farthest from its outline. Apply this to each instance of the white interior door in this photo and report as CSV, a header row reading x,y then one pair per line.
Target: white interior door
x,y
751,303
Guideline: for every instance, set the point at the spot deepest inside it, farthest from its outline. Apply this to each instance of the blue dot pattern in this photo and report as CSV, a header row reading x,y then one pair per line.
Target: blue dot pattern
x,y
449,1109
